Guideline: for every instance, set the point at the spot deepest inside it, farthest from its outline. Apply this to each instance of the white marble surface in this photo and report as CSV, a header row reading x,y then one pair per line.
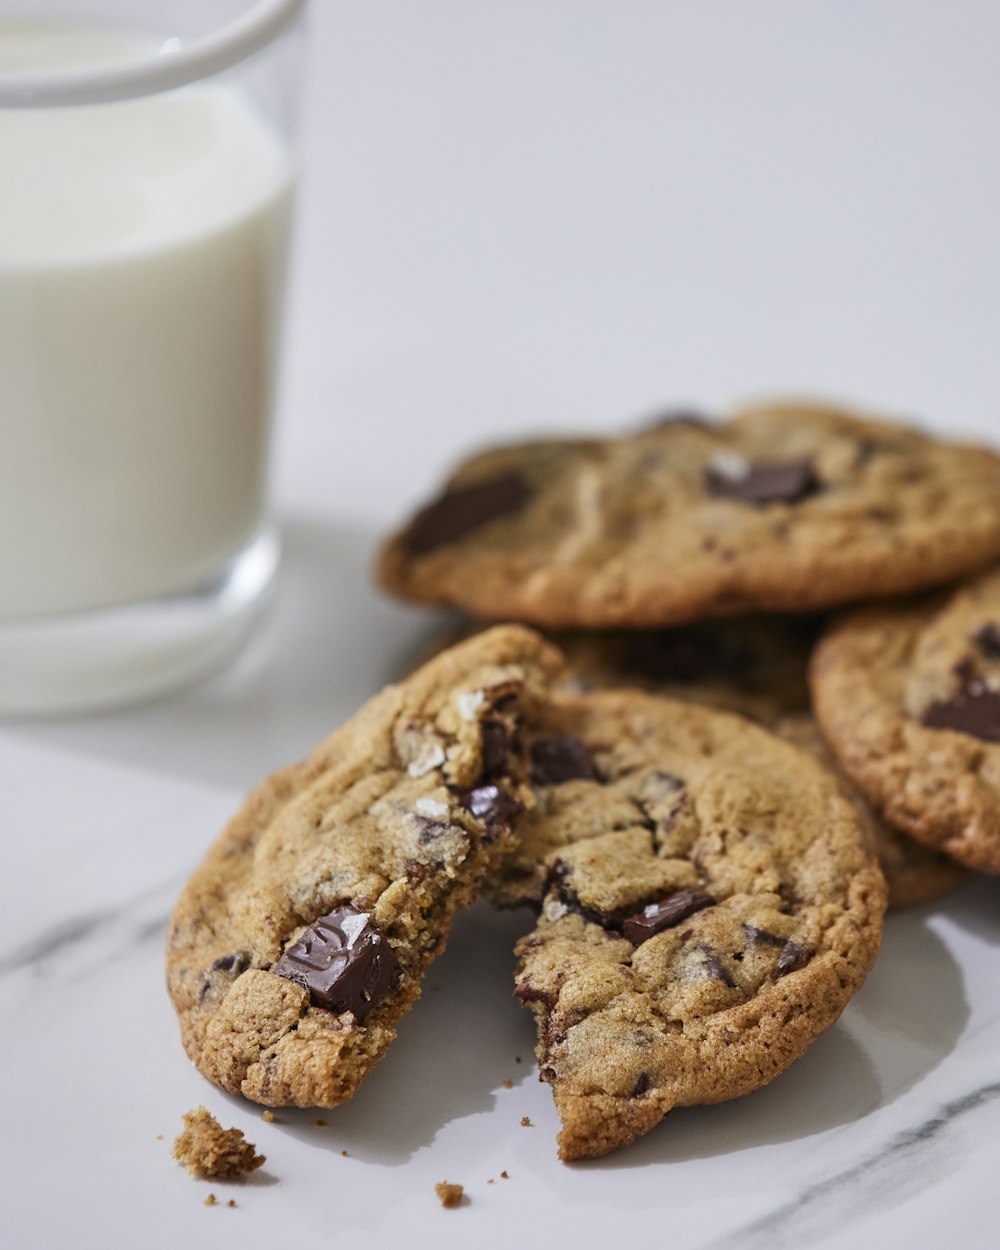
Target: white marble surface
x,y
522,216
882,1135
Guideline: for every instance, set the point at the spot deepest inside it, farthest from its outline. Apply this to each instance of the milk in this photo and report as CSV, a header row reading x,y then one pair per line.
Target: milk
x,y
142,252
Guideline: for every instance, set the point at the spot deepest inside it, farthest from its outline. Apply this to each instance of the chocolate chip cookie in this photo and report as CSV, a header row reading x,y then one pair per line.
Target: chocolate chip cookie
x,y
786,507
757,666
909,697
301,940
709,906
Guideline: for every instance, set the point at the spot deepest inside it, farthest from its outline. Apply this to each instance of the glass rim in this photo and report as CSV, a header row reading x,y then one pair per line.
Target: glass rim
x,y
210,54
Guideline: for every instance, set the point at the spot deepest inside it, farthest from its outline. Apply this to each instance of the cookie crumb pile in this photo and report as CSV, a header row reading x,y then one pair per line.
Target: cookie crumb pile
x,y
208,1150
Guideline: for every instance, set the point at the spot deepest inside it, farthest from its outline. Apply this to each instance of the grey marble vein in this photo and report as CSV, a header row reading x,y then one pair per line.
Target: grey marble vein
x,y
885,1178
80,931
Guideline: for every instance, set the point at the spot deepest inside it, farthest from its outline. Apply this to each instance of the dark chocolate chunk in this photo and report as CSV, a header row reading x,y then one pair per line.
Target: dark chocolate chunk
x,y
987,639
665,914
555,760
762,481
496,745
686,654
974,710
967,671
558,881
762,937
715,968
793,955
492,805
431,830
641,1085
464,509
344,962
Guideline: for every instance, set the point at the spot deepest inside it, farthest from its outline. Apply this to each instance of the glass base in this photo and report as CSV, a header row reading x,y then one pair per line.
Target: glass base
x,y
101,659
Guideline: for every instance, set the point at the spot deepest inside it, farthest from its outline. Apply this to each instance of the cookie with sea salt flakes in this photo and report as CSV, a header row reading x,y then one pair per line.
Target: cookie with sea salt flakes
x,y
301,940
908,696
785,507
709,907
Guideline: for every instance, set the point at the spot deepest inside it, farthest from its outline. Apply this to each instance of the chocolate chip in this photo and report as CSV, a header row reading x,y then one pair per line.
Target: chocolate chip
x,y
641,1085
496,745
432,830
492,805
664,915
237,961
974,710
233,964
557,881
987,639
762,937
686,654
344,962
464,509
793,955
555,760
715,968
761,481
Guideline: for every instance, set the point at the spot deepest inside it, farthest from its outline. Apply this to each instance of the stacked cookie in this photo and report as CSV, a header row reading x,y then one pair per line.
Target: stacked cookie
x,y
706,884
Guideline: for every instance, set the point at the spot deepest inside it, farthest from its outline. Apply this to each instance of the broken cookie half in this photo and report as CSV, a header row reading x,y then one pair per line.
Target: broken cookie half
x,y
708,906
302,939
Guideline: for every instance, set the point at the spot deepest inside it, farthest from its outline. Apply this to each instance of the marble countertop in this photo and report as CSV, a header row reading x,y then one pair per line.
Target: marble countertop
x,y
528,217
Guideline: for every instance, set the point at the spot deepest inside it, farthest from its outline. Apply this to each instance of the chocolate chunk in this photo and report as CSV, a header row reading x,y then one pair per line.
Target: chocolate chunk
x,y
344,962
793,955
987,639
762,937
665,914
555,760
464,509
237,962
974,710
686,654
492,805
496,745
641,1085
715,968
761,481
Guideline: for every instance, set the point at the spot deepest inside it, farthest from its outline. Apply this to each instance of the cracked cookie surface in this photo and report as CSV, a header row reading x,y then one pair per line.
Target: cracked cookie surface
x,y
783,508
908,696
708,907
301,940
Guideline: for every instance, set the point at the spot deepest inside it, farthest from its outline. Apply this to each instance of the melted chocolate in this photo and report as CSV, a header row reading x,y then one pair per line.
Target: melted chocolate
x,y
344,962
464,509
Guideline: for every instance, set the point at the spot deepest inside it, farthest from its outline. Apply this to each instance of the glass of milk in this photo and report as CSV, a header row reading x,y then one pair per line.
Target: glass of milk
x,y
146,174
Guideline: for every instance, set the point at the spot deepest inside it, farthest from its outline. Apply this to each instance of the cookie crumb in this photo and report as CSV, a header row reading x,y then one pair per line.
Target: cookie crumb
x,y
508,1083
450,1195
231,1202
525,1122
207,1149
159,1137
268,1116
210,1200
517,1058
504,1176
344,1154
490,1181
320,1123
